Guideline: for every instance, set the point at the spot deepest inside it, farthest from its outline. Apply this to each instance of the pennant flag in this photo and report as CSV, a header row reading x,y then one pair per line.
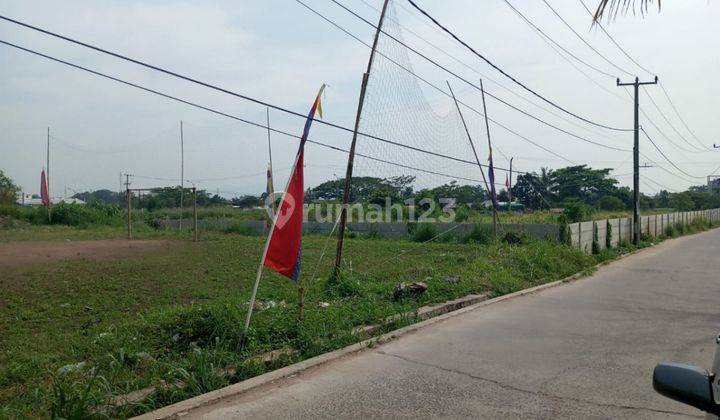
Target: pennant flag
x,y
44,190
284,251
507,182
491,179
270,191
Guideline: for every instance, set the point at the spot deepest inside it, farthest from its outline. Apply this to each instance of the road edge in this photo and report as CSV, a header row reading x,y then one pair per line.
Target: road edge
x,y
182,408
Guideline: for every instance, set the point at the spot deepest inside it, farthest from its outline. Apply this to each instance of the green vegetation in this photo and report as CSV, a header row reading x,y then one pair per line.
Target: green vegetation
x,y
8,189
76,334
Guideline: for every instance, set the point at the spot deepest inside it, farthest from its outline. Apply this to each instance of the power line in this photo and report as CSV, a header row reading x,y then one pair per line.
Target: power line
x,y
555,43
264,127
668,159
481,74
682,120
453,74
435,86
662,114
180,76
583,39
596,22
504,73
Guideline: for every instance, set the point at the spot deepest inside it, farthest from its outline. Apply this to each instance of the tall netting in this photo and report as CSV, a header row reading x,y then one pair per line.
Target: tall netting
x,y
402,108
412,147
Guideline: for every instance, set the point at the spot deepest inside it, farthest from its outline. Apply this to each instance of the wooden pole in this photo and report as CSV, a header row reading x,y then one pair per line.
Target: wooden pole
x,y
129,215
487,129
195,224
351,155
271,177
472,145
47,178
182,174
253,296
301,303
509,187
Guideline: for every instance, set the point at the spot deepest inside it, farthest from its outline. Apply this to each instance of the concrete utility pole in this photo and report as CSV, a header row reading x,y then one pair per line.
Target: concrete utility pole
x,y
351,156
636,157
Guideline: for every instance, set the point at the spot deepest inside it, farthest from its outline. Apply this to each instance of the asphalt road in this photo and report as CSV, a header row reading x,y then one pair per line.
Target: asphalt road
x,y
581,350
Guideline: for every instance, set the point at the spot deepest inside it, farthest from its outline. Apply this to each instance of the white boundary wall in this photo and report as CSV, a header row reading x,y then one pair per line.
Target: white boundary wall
x,y
654,225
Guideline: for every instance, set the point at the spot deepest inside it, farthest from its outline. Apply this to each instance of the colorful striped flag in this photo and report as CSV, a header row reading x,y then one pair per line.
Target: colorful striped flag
x,y
44,196
491,179
284,251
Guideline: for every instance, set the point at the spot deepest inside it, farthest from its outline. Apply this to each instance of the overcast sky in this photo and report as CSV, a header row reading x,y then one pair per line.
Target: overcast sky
x,y
278,51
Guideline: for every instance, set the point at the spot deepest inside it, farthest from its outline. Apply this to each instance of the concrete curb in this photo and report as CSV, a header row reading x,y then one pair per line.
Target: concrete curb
x,y
446,310
182,408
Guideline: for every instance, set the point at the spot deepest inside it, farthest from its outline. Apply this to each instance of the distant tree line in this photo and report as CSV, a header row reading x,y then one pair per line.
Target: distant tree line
x,y
576,186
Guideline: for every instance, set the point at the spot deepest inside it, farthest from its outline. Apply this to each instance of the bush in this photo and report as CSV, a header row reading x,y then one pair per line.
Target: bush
x,y
610,203
515,237
86,215
424,233
479,235
595,240
608,235
240,228
576,211
564,233
344,285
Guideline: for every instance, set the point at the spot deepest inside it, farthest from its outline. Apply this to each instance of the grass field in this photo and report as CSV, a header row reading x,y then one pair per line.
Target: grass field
x,y
79,333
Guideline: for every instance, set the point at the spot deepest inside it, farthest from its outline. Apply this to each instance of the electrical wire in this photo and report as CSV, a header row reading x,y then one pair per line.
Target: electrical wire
x,y
682,120
504,73
668,159
259,125
453,74
613,39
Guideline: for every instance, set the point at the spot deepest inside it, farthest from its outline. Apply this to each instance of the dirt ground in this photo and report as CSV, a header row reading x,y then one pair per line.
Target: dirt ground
x,y
19,253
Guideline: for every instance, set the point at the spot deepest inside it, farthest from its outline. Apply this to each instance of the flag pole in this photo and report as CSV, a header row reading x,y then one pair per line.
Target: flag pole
x,y
47,177
351,156
477,159
487,128
271,187
253,296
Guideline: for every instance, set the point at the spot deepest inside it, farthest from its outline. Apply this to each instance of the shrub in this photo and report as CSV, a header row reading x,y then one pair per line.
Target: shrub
x,y
424,233
576,211
595,240
515,237
564,233
240,228
608,235
343,284
86,215
610,203
479,235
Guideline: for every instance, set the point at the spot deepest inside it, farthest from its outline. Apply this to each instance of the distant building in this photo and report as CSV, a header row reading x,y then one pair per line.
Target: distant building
x,y
25,199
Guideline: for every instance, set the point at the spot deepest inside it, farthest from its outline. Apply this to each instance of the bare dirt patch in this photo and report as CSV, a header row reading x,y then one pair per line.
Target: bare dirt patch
x,y
19,253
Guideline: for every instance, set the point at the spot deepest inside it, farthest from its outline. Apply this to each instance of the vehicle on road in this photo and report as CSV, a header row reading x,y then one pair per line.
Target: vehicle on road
x,y
690,384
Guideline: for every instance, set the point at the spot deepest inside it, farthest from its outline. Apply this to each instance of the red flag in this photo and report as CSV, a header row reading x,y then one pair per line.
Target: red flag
x,y
44,190
507,182
284,252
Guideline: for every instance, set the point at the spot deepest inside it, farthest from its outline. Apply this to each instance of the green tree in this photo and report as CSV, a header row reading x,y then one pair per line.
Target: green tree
x,y
581,182
610,203
531,191
682,201
8,189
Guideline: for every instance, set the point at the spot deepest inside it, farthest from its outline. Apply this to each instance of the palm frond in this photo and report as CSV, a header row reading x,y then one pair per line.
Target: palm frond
x,y
611,8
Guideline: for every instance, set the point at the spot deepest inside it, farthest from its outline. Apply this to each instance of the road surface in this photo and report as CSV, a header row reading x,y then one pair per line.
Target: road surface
x,y
581,350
